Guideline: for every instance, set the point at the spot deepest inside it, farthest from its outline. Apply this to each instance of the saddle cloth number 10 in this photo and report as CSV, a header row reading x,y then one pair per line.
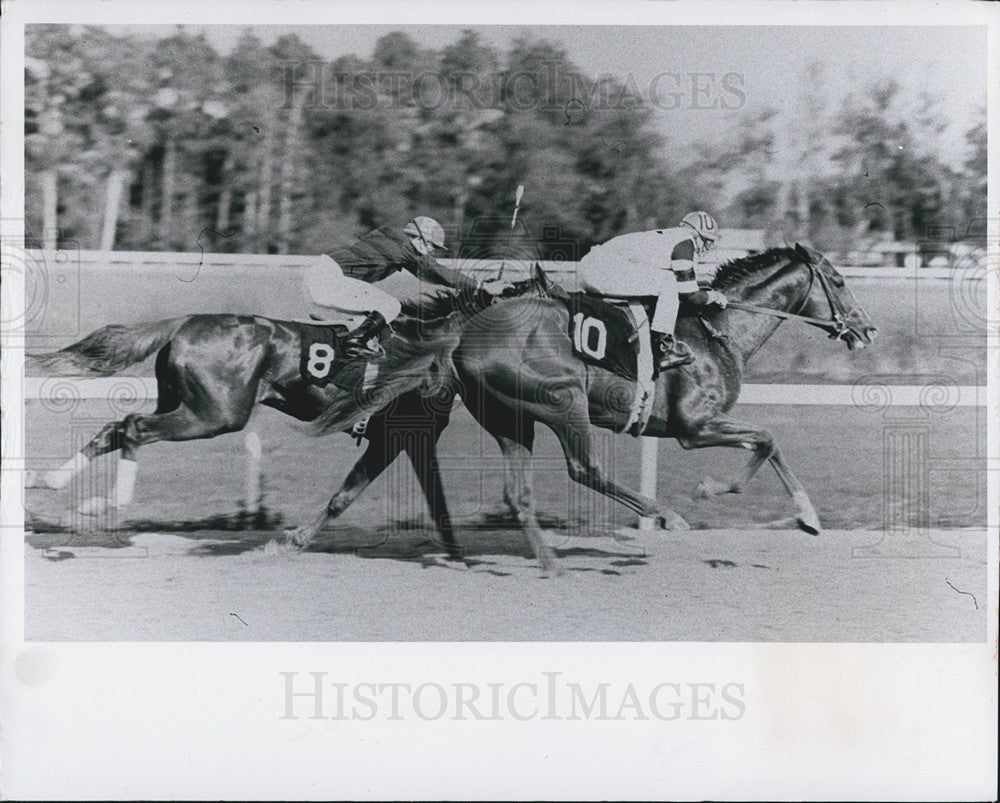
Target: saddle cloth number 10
x,y
590,336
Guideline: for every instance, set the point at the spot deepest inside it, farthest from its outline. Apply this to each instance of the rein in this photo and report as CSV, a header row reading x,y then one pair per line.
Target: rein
x,y
836,322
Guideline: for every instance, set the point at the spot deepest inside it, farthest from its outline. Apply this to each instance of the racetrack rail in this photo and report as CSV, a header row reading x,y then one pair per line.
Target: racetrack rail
x,y
862,394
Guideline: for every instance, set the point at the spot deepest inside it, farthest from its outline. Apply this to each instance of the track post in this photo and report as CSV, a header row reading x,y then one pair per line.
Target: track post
x,y
649,449
252,483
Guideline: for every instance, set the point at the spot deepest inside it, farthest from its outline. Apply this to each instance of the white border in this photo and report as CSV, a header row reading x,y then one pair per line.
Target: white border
x,y
200,720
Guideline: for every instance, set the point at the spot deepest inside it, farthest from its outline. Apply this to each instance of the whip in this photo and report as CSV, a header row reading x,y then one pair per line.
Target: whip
x,y
513,221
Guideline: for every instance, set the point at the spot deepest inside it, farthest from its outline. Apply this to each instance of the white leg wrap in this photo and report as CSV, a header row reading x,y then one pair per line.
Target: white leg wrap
x,y
125,482
60,477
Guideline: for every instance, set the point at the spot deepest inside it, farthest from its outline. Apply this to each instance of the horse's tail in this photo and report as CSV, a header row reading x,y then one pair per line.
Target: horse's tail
x,y
107,350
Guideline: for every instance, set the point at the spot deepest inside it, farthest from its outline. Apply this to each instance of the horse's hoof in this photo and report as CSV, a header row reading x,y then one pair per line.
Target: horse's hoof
x,y
547,560
446,561
710,487
298,537
810,524
672,522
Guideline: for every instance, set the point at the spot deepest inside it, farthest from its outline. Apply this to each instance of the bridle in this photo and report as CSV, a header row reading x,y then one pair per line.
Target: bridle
x,y
836,324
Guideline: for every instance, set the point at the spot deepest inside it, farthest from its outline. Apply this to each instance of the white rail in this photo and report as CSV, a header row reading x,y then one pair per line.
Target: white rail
x,y
153,262
859,395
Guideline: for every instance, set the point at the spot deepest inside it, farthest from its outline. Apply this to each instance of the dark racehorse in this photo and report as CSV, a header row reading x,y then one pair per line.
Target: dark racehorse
x,y
211,371
516,367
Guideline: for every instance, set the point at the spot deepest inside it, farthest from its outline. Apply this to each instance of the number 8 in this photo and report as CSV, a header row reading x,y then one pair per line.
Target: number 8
x,y
320,359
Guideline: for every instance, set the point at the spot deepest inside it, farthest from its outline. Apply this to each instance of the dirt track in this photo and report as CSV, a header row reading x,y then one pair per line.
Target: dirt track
x,y
713,585
372,577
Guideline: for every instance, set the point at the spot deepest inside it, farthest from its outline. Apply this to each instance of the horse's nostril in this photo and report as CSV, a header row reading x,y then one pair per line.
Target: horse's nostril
x,y
870,333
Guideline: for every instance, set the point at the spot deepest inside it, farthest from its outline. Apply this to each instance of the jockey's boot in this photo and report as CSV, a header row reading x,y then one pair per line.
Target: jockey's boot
x,y
358,342
669,352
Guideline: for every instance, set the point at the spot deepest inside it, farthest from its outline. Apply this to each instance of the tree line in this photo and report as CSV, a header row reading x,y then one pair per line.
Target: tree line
x,y
135,143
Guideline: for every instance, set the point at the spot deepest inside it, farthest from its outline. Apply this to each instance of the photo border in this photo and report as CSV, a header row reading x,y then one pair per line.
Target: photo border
x,y
202,720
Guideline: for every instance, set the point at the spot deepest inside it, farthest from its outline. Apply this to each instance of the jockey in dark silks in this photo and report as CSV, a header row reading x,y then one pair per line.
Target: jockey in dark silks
x,y
342,280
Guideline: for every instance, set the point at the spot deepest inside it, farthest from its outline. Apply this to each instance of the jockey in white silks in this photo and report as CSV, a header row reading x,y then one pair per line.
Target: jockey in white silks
x,y
657,263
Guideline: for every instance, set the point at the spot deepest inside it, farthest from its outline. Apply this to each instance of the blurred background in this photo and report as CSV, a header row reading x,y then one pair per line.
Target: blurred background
x,y
866,142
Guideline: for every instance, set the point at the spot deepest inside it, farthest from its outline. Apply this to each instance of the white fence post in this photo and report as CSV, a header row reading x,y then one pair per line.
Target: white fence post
x,y
252,486
649,450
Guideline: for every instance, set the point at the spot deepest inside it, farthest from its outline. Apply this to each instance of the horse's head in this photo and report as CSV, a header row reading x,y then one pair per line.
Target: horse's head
x,y
799,282
826,298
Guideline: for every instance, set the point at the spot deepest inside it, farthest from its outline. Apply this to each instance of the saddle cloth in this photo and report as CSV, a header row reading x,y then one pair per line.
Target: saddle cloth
x,y
321,359
613,334
608,332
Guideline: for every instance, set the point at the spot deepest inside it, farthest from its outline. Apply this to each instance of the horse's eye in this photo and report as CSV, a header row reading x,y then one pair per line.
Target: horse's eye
x,y
837,280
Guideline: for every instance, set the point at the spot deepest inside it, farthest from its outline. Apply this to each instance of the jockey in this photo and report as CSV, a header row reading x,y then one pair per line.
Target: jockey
x,y
636,265
341,280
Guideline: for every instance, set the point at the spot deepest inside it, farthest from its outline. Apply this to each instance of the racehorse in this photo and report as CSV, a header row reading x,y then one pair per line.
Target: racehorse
x,y
515,366
212,370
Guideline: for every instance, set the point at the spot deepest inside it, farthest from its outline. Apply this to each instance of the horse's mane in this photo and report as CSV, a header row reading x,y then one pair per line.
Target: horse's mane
x,y
735,270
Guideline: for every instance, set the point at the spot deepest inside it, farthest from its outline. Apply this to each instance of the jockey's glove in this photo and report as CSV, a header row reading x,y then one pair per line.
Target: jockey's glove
x,y
496,287
717,298
702,298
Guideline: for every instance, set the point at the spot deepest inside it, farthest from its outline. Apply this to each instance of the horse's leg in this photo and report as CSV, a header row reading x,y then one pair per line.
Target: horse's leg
x,y
514,431
133,431
726,432
424,459
107,440
192,403
734,434
572,427
379,454
517,457
807,519
509,481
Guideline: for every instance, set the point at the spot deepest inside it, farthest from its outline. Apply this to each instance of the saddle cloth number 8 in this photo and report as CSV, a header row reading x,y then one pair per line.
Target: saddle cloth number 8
x,y
321,358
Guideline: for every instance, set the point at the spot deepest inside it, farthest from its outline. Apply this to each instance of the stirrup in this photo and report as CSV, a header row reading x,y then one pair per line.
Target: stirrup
x,y
673,354
360,428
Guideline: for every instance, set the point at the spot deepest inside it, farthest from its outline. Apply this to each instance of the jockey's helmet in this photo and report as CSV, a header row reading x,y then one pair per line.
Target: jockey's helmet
x,y
425,231
704,224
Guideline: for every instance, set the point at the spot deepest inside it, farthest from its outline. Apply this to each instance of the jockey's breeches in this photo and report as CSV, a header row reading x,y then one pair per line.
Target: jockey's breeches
x,y
328,287
608,277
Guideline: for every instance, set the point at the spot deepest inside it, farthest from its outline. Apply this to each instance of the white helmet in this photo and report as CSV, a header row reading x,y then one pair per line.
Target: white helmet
x,y
704,224
426,229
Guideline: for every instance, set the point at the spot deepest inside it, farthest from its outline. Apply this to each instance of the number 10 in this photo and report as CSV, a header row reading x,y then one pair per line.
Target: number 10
x,y
583,329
